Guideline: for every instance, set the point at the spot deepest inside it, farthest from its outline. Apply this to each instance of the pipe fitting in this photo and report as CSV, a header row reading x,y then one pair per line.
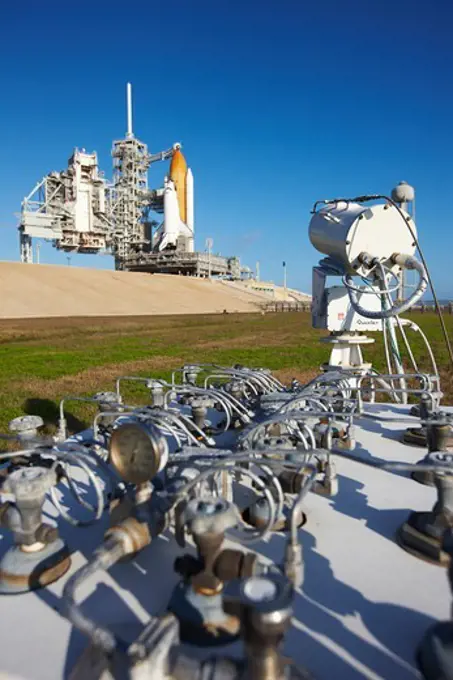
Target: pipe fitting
x,y
26,427
131,534
29,486
230,564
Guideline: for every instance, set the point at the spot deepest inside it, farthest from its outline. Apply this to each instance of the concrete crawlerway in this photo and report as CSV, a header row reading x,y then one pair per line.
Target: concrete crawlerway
x,y
55,291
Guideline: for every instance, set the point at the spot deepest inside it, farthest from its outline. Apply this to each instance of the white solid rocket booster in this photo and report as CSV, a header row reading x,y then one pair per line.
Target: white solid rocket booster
x,y
189,199
190,207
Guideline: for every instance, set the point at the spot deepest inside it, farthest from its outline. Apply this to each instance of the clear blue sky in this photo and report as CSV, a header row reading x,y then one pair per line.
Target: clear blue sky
x,y
277,103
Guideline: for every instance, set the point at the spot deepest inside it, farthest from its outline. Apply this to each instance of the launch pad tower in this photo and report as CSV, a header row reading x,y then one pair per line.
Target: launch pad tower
x,y
128,194
79,211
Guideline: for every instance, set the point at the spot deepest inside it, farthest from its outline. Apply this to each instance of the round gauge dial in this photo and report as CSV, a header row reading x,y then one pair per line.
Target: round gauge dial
x,y
138,452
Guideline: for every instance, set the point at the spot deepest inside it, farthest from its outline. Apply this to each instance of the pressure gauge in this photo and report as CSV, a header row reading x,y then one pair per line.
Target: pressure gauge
x,y
138,452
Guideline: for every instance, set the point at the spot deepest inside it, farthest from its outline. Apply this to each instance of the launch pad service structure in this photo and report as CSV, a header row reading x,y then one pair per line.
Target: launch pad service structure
x,y
81,212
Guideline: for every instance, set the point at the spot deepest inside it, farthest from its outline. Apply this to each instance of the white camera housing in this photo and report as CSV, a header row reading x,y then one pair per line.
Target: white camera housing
x,y
343,230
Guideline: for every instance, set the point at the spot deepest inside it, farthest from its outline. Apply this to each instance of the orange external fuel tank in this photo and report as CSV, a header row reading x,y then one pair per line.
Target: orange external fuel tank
x,y
178,172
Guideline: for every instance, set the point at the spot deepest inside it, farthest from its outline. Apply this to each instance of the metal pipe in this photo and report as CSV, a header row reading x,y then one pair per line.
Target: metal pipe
x,y
226,394
167,429
126,538
270,382
291,415
80,460
308,483
246,536
188,389
131,378
404,261
412,467
426,378
190,423
413,326
287,405
241,411
388,326
107,414
421,391
104,557
62,431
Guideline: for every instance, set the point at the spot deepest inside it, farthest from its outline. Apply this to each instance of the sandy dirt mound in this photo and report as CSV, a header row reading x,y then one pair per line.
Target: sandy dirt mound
x,y
28,290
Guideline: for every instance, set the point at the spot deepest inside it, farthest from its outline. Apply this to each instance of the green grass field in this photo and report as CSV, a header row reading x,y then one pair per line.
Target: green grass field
x,y
42,360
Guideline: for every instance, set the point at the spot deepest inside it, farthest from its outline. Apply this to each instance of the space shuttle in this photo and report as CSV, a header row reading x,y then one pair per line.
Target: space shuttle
x,y
177,228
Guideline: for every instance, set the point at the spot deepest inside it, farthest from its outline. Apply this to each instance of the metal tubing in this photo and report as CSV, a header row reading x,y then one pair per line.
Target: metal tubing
x,y
298,503
62,424
103,558
246,537
134,378
107,414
